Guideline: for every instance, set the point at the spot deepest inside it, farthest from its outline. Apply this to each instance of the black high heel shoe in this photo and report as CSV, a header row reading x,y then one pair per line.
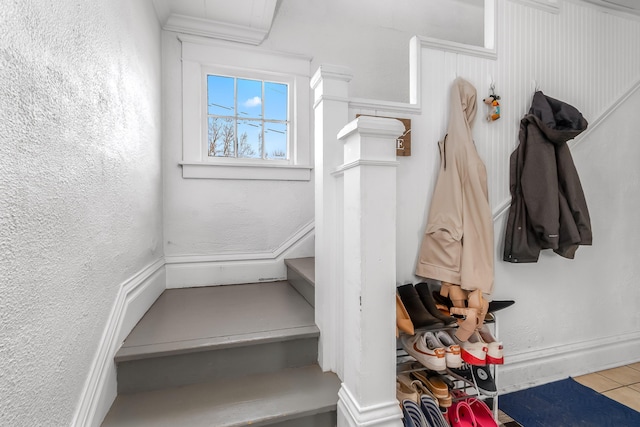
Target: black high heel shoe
x,y
499,305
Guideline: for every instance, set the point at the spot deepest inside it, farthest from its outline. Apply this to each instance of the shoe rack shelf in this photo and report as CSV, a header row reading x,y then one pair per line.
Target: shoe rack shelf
x,y
406,364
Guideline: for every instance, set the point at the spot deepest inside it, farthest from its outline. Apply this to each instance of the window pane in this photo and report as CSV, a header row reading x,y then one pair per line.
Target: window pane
x,y
220,95
275,101
249,98
250,139
221,137
275,141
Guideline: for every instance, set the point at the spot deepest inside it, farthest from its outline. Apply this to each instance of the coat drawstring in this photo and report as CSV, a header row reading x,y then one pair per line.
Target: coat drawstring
x,y
443,152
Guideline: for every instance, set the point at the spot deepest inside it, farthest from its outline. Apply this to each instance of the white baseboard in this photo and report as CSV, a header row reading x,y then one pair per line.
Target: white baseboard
x,y
351,414
529,369
185,271
134,298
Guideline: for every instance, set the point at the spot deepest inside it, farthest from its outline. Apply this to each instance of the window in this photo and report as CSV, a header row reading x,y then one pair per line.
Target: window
x,y
245,112
247,118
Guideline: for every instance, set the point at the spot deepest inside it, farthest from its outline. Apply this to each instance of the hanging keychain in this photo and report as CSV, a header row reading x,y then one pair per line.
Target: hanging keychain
x,y
494,105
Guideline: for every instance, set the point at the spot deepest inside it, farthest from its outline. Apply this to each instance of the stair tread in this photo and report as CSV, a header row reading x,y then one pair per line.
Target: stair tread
x,y
306,267
201,318
255,400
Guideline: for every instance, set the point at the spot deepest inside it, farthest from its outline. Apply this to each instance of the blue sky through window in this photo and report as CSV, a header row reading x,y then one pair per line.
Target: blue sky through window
x,y
251,115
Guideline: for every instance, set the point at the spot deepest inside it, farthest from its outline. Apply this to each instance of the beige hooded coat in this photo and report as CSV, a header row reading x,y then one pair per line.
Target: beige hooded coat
x,y
458,243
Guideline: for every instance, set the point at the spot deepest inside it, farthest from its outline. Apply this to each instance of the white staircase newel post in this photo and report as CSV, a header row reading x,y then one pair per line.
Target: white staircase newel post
x,y
367,396
331,111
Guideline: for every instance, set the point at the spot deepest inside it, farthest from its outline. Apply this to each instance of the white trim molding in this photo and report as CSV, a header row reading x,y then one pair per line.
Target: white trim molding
x,y
202,57
215,29
351,414
541,366
252,171
134,298
551,6
185,271
242,25
460,48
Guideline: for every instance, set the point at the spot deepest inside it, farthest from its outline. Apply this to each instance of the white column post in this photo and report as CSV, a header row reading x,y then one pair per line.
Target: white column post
x,y
331,108
367,396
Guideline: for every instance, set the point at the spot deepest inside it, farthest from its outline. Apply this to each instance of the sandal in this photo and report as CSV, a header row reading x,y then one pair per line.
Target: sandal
x,y
461,415
482,413
432,412
412,414
437,386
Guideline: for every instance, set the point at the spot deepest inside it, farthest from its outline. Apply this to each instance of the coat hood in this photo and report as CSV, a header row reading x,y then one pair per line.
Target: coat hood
x,y
560,122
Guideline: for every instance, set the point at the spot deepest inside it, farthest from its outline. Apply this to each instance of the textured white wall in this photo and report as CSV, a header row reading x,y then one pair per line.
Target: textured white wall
x,y
372,37
80,189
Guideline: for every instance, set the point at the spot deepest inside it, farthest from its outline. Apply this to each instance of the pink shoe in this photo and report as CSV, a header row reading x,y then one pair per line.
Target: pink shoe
x,y
482,413
461,415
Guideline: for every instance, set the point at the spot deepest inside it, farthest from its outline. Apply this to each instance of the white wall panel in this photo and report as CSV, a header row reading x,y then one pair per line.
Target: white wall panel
x,y
591,59
579,55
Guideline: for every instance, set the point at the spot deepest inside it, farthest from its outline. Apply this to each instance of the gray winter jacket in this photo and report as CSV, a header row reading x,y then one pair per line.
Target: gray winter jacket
x,y
548,208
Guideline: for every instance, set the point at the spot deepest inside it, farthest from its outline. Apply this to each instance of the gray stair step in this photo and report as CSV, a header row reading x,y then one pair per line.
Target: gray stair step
x,y
203,334
296,397
301,275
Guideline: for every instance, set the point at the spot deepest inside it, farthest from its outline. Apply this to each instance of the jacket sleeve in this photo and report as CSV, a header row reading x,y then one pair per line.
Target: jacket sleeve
x,y
540,188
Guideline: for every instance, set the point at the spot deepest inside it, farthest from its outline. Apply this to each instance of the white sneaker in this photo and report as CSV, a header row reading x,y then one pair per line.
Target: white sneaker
x,y
426,349
495,351
452,350
474,350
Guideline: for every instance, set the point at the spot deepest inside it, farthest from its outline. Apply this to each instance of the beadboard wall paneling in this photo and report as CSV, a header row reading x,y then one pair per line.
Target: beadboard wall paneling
x,y
580,55
589,58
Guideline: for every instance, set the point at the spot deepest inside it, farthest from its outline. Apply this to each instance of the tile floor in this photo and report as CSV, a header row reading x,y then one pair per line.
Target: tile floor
x,y
621,384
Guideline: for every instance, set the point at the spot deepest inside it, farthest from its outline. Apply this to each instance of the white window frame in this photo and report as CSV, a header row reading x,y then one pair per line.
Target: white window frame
x,y
201,57
250,75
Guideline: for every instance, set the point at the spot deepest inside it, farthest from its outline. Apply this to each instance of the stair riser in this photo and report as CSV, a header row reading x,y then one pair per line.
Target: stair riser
x,y
191,368
302,285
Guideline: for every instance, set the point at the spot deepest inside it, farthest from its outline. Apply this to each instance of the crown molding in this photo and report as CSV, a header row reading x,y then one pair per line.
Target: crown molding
x,y
215,29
